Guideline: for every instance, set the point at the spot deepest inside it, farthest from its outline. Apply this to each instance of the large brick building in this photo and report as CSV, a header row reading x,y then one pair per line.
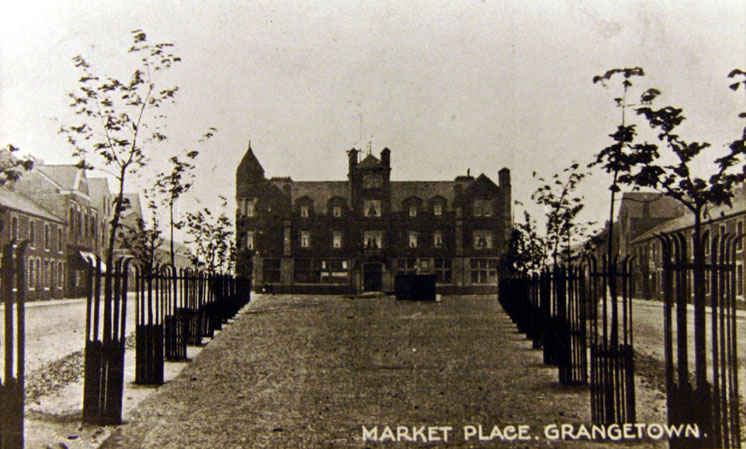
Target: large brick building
x,y
63,189
720,221
46,258
356,235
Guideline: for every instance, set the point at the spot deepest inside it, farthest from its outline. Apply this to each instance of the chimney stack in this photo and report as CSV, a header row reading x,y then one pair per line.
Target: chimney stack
x,y
352,159
386,158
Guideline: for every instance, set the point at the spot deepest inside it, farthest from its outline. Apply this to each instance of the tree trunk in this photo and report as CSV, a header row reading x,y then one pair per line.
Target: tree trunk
x,y
611,272
700,341
173,253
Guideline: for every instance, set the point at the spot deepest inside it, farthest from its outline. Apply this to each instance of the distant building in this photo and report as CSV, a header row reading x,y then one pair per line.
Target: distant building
x,y
720,220
101,199
642,211
63,189
46,256
129,220
356,235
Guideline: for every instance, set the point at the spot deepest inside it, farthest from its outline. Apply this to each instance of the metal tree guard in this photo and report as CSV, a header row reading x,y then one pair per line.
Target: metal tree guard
x,y
105,340
175,323
571,321
716,393
149,334
547,306
191,311
12,381
612,352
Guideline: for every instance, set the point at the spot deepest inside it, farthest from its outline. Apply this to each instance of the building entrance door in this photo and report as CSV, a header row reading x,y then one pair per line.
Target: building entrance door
x,y
372,277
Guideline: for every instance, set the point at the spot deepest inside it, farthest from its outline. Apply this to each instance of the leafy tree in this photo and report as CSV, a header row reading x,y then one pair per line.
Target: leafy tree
x,y
120,121
11,166
562,208
144,240
526,248
212,236
676,180
619,159
172,185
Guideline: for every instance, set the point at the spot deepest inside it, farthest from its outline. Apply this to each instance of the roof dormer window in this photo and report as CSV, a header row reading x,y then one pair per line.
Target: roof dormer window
x,y
304,211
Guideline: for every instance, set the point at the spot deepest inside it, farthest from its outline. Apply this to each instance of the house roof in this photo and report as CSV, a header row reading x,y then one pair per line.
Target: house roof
x,y
250,164
370,161
318,191
425,190
20,203
687,220
98,188
657,204
134,211
64,175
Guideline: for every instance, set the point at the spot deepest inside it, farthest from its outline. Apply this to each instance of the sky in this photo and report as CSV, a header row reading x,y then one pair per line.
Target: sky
x,y
448,86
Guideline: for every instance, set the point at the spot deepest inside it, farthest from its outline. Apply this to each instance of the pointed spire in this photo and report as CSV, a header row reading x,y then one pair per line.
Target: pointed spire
x,y
249,170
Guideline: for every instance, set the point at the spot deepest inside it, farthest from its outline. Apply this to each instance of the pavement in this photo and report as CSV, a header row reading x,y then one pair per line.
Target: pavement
x,y
327,372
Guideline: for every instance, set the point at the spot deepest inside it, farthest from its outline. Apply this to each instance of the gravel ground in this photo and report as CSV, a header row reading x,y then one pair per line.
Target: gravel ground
x,y
310,372
649,350
54,394
56,328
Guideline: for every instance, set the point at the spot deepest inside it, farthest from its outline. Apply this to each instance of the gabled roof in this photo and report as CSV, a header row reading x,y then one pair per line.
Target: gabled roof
x,y
134,211
687,220
20,203
425,190
322,191
658,205
64,175
482,186
318,191
98,188
370,161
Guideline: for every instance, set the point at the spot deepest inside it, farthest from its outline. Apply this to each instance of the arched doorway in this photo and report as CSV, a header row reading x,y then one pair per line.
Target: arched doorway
x,y
372,277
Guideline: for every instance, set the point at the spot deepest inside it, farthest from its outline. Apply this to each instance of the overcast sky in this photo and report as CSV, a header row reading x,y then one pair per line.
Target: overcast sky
x,y
447,86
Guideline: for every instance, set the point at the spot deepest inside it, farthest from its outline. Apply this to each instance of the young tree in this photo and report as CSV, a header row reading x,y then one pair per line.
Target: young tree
x,y
676,180
526,249
623,155
619,159
144,240
562,208
120,121
172,185
212,237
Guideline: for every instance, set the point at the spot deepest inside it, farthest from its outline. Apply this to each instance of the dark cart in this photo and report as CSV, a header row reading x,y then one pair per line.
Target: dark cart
x,y
415,287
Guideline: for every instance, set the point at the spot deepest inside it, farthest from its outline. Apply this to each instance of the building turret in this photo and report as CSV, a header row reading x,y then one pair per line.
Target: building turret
x,y
249,172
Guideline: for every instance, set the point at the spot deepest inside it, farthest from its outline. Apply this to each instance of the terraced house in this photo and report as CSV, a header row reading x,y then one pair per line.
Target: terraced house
x,y
23,219
63,190
355,235
719,222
